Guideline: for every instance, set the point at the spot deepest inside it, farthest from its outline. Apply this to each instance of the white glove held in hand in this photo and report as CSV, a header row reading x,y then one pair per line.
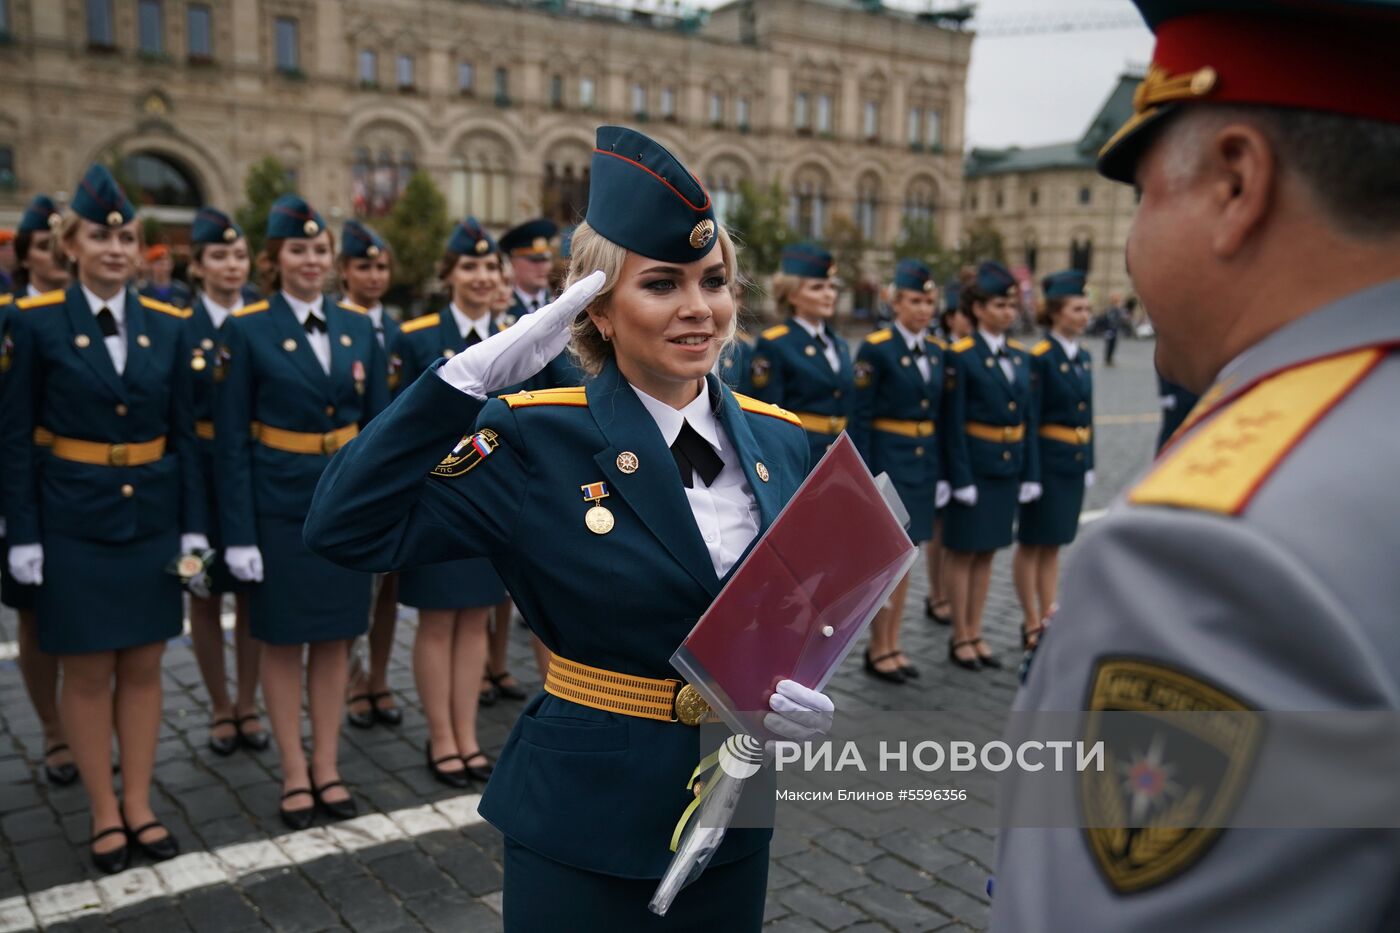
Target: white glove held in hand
x,y
1089,479
27,564
941,494
1029,492
798,712
245,563
521,350
193,542
967,495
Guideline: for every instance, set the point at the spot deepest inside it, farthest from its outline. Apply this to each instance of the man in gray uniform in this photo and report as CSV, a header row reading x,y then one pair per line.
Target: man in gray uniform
x,y
1255,566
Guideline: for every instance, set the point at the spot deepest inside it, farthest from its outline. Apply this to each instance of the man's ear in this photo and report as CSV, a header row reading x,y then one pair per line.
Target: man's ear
x,y
1243,174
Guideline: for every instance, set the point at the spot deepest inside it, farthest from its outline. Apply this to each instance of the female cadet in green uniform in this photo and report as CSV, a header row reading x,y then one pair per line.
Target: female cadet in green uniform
x,y
956,324
613,512
1062,404
299,376
990,465
899,393
803,365
454,598
101,377
366,269
220,265
38,269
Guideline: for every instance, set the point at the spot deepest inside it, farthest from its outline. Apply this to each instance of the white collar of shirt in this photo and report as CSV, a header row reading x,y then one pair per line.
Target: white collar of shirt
x,y
994,341
117,304
376,315
533,302
670,420
302,309
466,325
910,339
1071,347
30,291
217,312
816,330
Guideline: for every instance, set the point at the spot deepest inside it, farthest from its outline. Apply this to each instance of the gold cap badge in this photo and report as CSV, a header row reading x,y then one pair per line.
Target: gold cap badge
x,y
928,286
372,251
114,219
702,233
230,234
482,246
311,228
540,245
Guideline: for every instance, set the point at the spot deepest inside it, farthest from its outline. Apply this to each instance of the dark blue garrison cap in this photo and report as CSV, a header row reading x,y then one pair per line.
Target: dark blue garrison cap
x,y
913,275
101,200
993,279
470,239
213,226
530,238
41,214
808,261
360,242
292,218
1068,283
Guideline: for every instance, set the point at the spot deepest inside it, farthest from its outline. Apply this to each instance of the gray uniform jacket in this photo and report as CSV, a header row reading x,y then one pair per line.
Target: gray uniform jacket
x,y
1259,562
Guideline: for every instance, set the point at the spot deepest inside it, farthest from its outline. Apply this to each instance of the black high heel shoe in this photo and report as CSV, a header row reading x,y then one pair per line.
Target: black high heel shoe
x,y
300,818
253,741
506,691
363,720
988,660
909,671
336,809
479,772
971,664
110,863
158,850
458,778
60,775
931,614
388,715
895,676
223,745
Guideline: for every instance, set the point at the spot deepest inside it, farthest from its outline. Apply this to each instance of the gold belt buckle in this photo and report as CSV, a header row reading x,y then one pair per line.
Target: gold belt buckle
x,y
1008,435
328,443
689,707
118,455
925,428
1081,435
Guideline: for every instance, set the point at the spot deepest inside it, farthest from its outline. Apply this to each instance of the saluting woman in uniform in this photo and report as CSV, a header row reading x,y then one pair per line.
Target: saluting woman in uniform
x,y
38,270
990,465
1062,392
804,365
613,512
454,598
366,268
899,393
96,516
299,374
219,265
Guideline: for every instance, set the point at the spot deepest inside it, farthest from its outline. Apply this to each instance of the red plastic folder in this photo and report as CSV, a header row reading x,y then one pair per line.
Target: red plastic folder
x,y
802,597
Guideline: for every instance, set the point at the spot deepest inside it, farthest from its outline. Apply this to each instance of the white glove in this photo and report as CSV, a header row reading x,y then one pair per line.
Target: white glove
x,y
798,713
1089,479
27,564
245,563
1029,492
967,495
941,494
193,542
521,350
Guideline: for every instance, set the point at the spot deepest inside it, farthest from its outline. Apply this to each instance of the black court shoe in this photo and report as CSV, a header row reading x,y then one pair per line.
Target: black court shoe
x,y
479,772
508,691
158,850
363,720
114,861
301,818
458,778
988,660
336,809
388,715
909,671
895,676
253,740
223,745
63,774
971,664
931,614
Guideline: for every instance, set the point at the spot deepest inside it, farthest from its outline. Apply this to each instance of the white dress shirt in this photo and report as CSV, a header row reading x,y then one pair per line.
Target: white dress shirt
x,y
1071,347
918,348
725,512
466,325
995,343
116,346
30,291
376,318
320,341
217,312
819,331
533,302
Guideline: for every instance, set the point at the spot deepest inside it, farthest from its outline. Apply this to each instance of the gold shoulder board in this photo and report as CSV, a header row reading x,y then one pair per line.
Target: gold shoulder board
x,y
164,308
420,323
573,397
773,333
253,308
763,408
880,336
1041,348
963,345
41,301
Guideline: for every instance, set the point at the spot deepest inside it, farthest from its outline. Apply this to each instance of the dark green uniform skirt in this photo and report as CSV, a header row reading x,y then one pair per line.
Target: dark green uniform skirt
x,y
1053,519
452,584
98,596
986,526
303,597
542,894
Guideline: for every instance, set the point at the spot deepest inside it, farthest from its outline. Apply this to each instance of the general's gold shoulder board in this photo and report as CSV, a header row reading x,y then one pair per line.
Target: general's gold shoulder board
x,y
165,307
1158,804
571,397
963,345
1041,348
469,452
773,333
750,404
420,323
47,299
879,337
253,308
1219,467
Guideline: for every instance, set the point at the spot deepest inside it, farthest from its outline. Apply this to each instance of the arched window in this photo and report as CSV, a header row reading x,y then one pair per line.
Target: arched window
x,y
723,181
868,206
160,180
807,204
481,180
1031,252
1081,253
384,161
564,191
920,204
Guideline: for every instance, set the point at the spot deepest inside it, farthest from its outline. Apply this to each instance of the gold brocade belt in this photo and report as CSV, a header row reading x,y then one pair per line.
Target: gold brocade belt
x,y
996,433
1066,434
97,453
821,424
667,700
304,442
904,427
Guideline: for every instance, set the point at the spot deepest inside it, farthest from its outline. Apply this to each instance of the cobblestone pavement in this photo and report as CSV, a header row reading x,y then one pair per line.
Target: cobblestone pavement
x,y
422,859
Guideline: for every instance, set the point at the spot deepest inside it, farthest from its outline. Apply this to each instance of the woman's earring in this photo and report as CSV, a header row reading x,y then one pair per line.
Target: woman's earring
x,y
606,336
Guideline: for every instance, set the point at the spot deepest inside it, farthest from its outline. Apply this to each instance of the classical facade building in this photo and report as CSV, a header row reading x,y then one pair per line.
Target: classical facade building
x,y
1052,209
851,108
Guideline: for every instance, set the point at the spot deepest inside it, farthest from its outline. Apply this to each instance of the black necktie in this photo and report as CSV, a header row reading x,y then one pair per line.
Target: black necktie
x,y
695,455
473,338
107,323
821,341
314,325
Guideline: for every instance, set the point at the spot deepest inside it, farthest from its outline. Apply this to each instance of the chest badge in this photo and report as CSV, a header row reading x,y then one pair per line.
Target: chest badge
x,y
597,519
761,470
627,462
198,362
345,340
357,372
810,351
289,344
143,341
81,341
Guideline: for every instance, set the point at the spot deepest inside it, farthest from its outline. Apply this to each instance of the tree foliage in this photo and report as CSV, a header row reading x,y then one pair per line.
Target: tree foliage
x,y
982,242
416,230
266,182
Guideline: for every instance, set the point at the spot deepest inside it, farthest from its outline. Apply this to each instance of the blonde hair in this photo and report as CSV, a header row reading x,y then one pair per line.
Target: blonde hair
x,y
590,252
784,286
68,233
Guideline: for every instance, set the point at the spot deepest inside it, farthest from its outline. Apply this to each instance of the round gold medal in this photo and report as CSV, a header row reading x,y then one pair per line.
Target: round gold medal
x,y
599,520
198,364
